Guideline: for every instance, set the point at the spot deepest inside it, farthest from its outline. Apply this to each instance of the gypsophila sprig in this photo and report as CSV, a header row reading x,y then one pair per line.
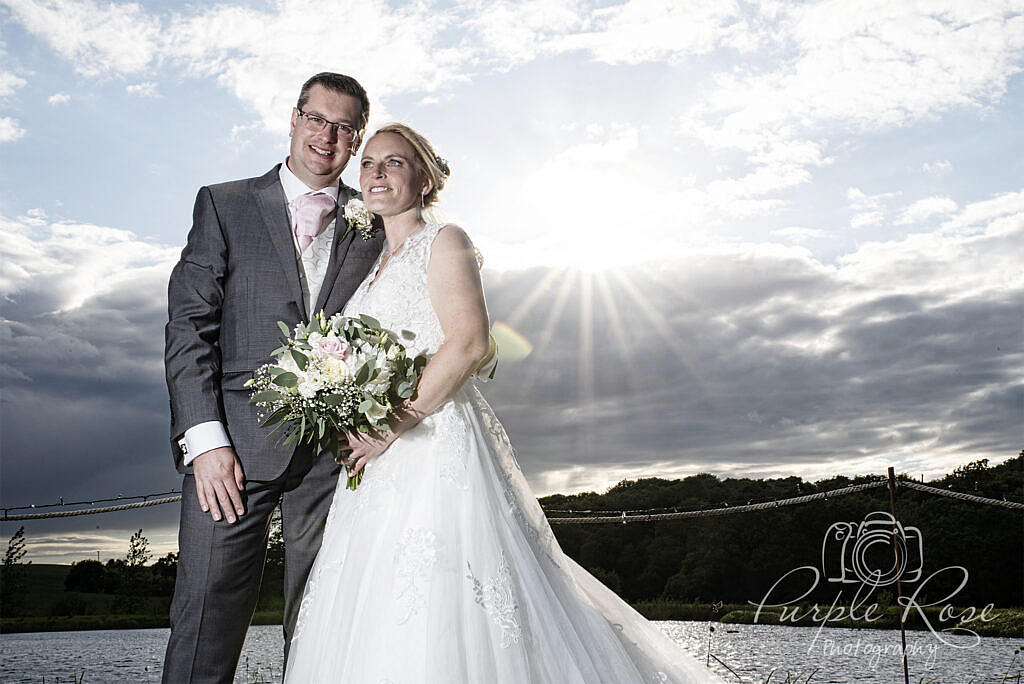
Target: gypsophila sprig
x,y
334,376
359,218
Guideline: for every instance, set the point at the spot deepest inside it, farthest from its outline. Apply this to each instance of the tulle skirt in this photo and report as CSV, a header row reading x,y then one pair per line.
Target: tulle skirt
x,y
441,569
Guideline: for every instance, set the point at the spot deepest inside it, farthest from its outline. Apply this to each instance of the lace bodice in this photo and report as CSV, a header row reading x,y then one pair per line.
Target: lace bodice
x,y
444,549
398,297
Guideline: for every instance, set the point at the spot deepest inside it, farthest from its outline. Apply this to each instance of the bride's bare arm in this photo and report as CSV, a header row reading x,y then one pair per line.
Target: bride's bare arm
x,y
453,278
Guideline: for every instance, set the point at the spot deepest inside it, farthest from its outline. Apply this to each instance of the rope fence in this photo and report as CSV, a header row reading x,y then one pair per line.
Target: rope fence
x,y
959,495
90,511
553,517
625,517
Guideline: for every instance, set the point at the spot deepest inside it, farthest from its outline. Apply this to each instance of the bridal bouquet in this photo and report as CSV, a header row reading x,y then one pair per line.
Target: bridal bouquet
x,y
334,376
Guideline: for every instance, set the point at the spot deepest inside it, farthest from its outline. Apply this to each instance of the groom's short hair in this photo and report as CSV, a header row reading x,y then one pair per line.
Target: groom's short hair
x,y
338,83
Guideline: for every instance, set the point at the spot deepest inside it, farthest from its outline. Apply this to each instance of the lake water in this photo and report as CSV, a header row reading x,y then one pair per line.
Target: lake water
x,y
752,651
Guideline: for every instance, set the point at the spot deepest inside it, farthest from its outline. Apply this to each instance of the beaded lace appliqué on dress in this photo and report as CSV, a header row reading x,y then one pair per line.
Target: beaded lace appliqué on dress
x,y
497,599
415,558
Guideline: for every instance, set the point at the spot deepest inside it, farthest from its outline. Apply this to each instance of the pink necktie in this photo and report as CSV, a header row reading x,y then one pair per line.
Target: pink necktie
x,y
310,211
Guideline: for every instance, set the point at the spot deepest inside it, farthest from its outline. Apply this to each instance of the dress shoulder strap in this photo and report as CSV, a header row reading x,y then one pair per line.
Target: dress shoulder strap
x,y
423,242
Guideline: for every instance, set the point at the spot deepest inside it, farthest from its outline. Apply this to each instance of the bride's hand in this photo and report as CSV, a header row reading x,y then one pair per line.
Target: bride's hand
x,y
363,447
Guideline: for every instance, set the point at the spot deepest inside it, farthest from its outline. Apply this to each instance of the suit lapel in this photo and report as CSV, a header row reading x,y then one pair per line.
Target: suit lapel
x,y
340,247
273,209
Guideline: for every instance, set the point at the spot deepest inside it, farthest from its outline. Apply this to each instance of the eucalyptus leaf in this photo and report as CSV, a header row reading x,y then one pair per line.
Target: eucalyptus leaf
x,y
275,417
363,373
370,321
287,380
266,396
301,360
284,329
279,426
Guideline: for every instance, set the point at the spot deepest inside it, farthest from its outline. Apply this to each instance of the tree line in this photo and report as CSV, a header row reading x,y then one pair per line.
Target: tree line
x,y
733,558
739,557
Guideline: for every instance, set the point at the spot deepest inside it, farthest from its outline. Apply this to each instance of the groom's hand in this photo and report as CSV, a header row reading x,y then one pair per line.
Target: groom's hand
x,y
218,474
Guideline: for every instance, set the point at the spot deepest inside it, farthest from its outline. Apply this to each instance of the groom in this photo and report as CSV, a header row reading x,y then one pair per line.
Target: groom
x,y
261,250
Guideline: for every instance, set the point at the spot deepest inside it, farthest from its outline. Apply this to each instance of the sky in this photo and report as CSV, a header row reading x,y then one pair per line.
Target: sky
x,y
753,239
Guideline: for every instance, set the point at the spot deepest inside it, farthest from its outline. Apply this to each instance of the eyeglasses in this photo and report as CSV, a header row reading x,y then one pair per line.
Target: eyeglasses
x,y
316,123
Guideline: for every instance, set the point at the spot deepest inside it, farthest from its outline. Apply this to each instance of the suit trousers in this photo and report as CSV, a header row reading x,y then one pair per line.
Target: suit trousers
x,y
220,566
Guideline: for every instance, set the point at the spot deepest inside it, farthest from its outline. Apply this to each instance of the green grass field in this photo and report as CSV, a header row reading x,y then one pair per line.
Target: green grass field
x,y
50,608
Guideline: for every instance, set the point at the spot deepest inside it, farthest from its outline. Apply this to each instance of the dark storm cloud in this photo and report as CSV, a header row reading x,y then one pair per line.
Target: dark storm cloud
x,y
84,409
744,359
761,360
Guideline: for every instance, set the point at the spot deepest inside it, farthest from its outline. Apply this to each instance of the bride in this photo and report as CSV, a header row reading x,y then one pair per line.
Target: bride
x,y
440,568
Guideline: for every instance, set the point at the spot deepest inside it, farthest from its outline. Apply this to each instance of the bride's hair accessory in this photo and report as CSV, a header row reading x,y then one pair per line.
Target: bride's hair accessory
x,y
434,168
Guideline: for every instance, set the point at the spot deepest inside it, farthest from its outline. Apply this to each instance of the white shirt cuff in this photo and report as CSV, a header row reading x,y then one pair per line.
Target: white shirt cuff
x,y
203,437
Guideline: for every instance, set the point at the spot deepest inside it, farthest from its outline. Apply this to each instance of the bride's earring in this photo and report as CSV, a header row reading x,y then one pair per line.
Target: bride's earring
x,y
422,194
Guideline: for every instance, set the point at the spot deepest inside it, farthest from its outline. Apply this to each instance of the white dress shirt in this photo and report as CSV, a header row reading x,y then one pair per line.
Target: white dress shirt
x,y
312,265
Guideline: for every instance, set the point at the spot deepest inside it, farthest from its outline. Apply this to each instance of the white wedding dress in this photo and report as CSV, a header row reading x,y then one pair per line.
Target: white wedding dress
x,y
441,567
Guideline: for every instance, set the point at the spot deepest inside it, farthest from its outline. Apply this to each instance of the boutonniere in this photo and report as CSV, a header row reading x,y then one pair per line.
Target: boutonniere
x,y
359,218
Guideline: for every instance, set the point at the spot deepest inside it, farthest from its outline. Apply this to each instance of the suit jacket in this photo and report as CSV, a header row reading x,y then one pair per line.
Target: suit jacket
x,y
236,278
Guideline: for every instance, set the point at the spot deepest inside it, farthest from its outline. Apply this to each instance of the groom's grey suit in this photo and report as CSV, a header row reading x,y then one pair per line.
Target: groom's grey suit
x,y
238,275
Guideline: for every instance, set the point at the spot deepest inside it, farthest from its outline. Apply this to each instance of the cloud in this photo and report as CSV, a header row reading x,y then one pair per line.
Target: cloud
x,y
926,208
758,358
874,64
751,359
97,39
108,542
574,221
657,30
869,210
740,358
145,89
9,82
260,56
82,309
510,34
58,98
63,265
846,69
514,33
937,168
798,234
10,130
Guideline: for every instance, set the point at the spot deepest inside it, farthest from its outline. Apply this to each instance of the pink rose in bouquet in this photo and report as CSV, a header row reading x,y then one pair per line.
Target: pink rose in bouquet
x,y
331,347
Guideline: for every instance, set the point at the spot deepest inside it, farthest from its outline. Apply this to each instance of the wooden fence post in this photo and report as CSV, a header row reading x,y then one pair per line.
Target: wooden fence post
x,y
899,587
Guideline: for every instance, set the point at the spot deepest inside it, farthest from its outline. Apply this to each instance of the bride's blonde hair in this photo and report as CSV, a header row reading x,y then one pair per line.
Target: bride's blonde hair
x,y
427,162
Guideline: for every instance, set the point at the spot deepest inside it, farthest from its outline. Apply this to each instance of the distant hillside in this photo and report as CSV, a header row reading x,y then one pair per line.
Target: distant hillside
x,y
665,566
738,557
